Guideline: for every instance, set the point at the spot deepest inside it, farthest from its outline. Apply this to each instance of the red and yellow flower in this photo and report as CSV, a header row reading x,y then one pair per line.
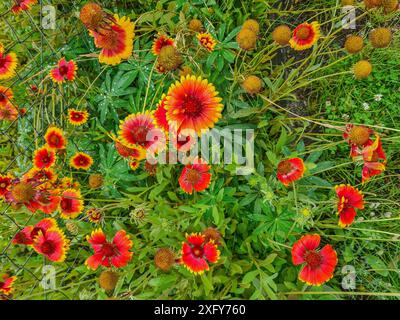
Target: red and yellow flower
x,y
116,41
290,170
305,36
139,129
23,192
357,137
44,158
319,266
55,139
76,117
8,112
27,234
22,5
6,94
94,215
350,199
193,103
52,244
160,115
71,204
195,176
5,183
160,42
6,284
197,253
207,41
65,71
8,64
81,160
48,201
374,159
107,254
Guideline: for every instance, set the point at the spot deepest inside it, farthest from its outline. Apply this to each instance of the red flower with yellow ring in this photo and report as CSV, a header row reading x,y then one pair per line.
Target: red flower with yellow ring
x,y
8,64
81,160
319,265
76,117
116,253
160,42
71,204
55,139
44,158
305,36
193,103
350,199
116,41
290,170
6,284
197,253
52,244
207,41
65,71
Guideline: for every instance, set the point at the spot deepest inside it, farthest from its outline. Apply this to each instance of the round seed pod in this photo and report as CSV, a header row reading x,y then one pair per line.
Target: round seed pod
x,y
282,35
354,44
246,39
252,85
380,37
169,58
108,280
362,69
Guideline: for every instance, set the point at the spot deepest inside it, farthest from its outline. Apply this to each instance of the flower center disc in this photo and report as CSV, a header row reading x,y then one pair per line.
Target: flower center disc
x,y
284,167
47,247
313,259
109,249
303,33
193,176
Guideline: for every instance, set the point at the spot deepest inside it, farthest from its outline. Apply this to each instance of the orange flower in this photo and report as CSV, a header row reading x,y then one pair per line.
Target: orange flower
x,y
290,170
116,41
197,253
160,42
22,5
305,35
207,41
195,176
107,254
76,117
350,198
44,158
81,161
8,64
55,138
65,71
139,129
52,244
6,284
193,103
71,204
319,265
6,94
